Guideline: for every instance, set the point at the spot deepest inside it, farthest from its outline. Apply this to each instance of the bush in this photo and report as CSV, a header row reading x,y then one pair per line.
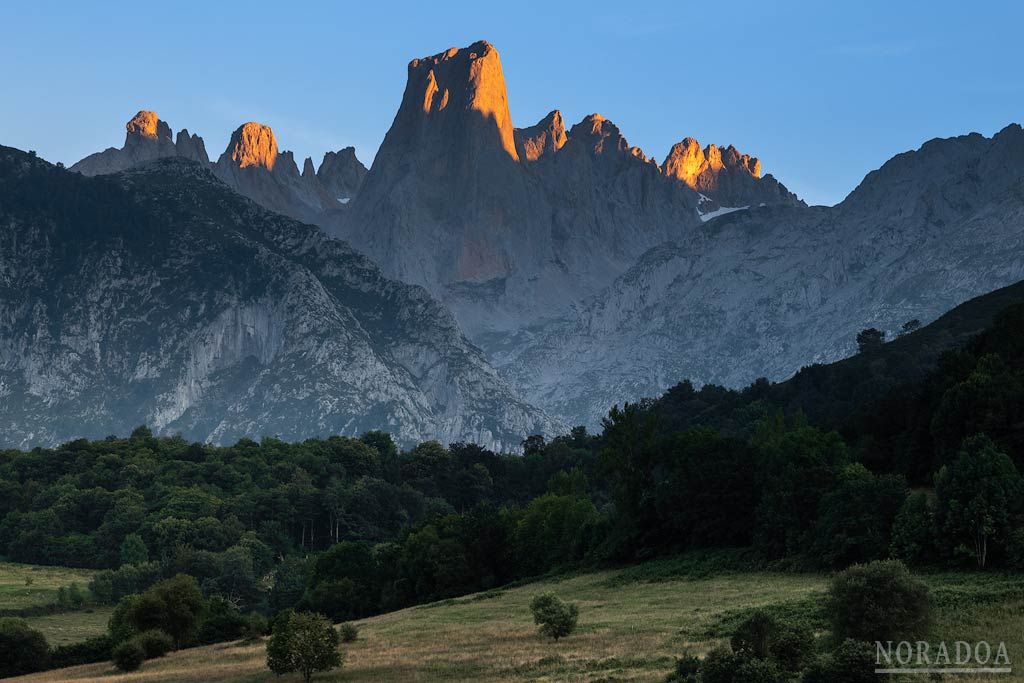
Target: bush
x,y
22,649
759,671
349,632
687,671
221,621
155,643
878,601
762,636
129,655
172,605
852,662
555,618
256,626
303,642
720,666
96,649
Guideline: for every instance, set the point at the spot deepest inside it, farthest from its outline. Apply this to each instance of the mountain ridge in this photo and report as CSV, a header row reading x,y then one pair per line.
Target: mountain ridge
x,y
159,296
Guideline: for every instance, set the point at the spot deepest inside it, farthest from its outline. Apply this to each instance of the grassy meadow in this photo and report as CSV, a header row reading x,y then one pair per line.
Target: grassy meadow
x,y
27,586
633,623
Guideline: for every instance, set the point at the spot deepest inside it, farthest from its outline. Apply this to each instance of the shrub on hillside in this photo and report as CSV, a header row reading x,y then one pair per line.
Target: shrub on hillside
x,y
22,649
762,636
303,642
155,643
687,671
96,649
256,625
878,601
173,605
348,631
129,655
719,666
555,618
852,662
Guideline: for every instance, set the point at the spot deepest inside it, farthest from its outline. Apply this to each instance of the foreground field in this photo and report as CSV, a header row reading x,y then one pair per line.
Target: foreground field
x,y
631,629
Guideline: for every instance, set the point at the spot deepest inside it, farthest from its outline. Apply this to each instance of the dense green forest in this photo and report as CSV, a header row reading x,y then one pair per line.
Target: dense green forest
x,y
923,467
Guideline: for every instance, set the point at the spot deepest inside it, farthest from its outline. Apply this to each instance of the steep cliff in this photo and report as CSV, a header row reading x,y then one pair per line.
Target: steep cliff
x,y
159,296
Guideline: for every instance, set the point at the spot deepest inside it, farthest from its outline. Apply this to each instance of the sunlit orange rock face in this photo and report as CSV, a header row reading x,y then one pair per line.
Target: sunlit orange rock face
x,y
468,79
701,169
147,124
253,144
546,137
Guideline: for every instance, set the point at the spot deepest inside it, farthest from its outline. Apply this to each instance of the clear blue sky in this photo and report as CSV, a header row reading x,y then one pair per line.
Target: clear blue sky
x,y
821,93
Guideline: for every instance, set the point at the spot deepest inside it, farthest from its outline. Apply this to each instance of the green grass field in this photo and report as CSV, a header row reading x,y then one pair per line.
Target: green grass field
x,y
633,623
26,586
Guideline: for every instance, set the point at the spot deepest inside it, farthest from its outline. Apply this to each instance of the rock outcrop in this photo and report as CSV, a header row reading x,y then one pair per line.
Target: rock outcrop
x,y
252,164
547,136
341,174
724,177
147,138
254,167
158,296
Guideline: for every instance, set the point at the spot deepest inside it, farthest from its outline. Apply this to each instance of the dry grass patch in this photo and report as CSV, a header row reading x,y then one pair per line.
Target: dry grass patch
x,y
627,632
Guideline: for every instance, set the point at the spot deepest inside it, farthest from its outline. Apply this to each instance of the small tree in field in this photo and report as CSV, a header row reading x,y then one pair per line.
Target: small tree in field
x,y
303,642
555,618
878,601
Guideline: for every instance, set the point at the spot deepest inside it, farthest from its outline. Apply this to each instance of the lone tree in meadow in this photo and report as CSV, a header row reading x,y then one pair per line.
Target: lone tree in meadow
x,y
878,601
555,618
303,642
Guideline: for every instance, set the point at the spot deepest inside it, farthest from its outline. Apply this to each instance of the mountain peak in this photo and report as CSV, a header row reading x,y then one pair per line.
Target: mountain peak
x,y
146,124
547,136
701,168
253,144
461,81
724,175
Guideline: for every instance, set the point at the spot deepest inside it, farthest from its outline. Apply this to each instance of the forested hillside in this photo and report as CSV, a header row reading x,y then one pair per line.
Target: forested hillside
x,y
351,527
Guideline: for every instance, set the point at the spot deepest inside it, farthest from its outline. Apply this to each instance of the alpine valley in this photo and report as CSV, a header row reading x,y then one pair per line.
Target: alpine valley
x,y
480,282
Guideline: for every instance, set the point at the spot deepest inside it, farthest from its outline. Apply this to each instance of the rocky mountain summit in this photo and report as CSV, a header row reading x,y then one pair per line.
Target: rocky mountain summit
x,y
590,274
252,165
724,177
159,296
147,138
765,291
512,226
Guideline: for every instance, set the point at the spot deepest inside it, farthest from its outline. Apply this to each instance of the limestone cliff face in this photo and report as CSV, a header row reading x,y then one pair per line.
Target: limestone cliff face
x,y
724,177
167,299
507,226
765,291
341,174
252,144
147,138
445,196
546,137
191,147
254,167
